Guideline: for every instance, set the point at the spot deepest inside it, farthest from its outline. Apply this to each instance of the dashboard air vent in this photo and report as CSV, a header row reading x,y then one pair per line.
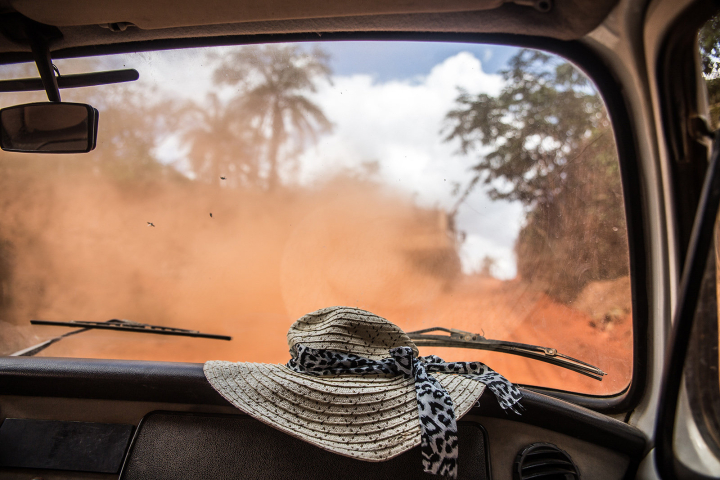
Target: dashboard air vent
x,y
544,461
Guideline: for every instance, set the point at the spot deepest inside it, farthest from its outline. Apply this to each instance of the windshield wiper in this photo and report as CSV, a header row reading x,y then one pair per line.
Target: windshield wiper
x,y
114,324
461,339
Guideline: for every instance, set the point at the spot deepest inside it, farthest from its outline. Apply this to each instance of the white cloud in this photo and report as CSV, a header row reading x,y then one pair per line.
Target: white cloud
x,y
398,123
476,247
491,228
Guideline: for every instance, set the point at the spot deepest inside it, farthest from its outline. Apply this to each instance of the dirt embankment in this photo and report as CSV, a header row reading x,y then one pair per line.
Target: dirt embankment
x,y
82,250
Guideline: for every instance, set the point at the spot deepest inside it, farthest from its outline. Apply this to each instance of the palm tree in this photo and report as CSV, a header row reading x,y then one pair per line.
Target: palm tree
x,y
273,81
221,145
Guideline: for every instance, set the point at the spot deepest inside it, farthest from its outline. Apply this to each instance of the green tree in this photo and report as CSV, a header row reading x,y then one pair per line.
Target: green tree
x,y
709,43
549,145
273,81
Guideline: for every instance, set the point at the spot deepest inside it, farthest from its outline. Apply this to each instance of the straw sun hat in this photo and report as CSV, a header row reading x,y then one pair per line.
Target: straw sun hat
x,y
355,386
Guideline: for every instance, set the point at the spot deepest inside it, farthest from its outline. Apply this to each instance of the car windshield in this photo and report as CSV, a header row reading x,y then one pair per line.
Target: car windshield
x,y
235,189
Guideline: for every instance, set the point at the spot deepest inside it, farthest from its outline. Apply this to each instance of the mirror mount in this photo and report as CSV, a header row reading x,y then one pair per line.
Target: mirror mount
x,y
41,53
38,37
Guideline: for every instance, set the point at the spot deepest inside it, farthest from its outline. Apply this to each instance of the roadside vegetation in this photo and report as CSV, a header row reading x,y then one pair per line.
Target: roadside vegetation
x,y
546,141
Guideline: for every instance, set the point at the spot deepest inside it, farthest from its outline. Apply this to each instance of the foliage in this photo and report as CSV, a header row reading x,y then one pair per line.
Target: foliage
x,y
132,126
709,43
542,115
222,145
549,145
270,117
581,236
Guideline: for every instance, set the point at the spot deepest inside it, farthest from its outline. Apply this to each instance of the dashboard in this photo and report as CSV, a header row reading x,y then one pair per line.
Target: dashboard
x,y
132,419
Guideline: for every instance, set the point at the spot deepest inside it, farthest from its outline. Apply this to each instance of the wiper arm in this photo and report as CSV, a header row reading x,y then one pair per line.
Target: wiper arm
x,y
461,339
114,324
30,351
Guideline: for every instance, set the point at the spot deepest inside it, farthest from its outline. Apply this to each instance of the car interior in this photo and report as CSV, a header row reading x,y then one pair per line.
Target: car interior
x,y
528,183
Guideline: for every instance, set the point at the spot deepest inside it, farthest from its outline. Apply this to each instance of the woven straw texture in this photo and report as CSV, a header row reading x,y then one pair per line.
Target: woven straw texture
x,y
371,417
368,417
349,330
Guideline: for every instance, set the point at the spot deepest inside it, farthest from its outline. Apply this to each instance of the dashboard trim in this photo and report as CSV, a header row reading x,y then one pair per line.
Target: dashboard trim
x,y
185,383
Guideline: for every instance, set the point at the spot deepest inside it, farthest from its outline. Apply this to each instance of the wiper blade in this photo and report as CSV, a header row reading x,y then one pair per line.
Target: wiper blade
x,y
114,324
462,339
128,326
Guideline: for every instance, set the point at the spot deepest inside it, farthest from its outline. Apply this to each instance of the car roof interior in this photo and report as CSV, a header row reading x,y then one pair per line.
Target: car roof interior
x,y
94,23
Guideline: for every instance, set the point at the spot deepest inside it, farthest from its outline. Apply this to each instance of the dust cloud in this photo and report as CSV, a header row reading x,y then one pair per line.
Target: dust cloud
x,y
79,247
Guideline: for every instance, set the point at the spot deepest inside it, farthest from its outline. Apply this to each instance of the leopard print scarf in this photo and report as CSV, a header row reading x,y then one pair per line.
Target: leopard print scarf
x,y
439,445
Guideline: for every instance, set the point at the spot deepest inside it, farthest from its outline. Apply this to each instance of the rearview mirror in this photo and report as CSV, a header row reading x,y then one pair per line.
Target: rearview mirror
x,y
49,127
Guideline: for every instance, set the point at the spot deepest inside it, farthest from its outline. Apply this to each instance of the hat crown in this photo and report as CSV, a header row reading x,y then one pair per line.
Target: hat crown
x,y
349,330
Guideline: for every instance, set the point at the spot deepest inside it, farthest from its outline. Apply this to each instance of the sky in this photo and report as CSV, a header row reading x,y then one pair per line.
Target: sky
x,y
387,102
397,121
404,60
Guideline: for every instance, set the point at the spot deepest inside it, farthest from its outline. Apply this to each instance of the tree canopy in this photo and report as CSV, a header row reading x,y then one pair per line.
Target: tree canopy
x,y
546,141
544,115
221,144
709,44
271,103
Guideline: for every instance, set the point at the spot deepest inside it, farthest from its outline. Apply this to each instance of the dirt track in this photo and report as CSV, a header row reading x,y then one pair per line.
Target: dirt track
x,y
257,265
504,310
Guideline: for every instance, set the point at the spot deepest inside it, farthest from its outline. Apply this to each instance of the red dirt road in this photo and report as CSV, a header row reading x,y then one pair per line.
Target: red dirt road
x,y
83,251
504,310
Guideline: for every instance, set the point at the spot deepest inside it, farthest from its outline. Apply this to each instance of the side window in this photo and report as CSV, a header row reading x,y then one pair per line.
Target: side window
x,y
697,443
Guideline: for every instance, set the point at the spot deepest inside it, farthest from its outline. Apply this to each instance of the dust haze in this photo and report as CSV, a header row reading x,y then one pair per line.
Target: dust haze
x,y
231,245
82,249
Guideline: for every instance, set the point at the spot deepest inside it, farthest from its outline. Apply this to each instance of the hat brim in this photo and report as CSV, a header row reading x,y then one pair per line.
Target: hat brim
x,y
368,417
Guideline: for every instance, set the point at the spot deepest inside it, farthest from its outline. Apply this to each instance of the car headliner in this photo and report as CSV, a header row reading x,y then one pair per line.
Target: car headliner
x,y
84,23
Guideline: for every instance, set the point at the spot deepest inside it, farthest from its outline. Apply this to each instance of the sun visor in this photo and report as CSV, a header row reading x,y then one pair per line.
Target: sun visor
x,y
182,13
